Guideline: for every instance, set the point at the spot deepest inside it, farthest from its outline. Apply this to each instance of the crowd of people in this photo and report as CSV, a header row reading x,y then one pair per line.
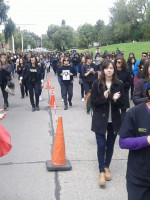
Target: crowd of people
x,y
110,78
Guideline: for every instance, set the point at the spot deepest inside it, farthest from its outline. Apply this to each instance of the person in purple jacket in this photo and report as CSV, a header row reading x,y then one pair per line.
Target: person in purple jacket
x,y
135,136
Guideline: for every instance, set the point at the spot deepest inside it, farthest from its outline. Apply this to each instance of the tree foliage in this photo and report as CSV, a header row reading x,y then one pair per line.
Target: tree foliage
x,y
3,11
9,29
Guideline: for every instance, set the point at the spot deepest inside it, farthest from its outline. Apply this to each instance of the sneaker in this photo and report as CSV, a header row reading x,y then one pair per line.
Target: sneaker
x,y
107,174
66,107
33,109
37,108
82,99
40,98
62,100
102,181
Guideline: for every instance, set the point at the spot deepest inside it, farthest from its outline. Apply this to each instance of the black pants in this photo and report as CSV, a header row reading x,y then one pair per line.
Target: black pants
x,y
34,89
87,86
67,89
5,94
24,89
137,192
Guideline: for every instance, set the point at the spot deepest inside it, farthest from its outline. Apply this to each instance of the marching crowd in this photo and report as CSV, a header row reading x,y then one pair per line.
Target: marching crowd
x,y
110,79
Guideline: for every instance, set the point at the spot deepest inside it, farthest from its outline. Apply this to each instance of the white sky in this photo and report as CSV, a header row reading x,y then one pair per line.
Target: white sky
x,y
42,13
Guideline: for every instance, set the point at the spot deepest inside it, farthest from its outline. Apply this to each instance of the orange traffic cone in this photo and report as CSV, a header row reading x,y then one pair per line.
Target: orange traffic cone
x,y
59,162
48,84
59,157
52,99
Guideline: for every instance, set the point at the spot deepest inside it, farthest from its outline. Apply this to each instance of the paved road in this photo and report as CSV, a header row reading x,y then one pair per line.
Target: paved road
x,y
23,171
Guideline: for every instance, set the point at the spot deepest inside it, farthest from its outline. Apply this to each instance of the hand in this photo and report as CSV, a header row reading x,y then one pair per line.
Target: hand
x,y
20,82
106,94
42,85
116,96
148,139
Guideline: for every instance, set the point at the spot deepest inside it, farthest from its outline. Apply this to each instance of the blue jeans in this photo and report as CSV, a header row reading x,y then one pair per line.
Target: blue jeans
x,y
105,147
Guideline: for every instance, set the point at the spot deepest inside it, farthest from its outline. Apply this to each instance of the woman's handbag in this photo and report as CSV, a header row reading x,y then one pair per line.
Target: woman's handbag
x,y
10,88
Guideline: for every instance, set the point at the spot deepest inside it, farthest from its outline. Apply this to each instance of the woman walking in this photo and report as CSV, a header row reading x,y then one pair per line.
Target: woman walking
x,y
34,77
5,76
107,97
20,70
123,74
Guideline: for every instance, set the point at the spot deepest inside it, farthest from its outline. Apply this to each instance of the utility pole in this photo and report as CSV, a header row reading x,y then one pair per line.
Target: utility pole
x,y
13,44
22,40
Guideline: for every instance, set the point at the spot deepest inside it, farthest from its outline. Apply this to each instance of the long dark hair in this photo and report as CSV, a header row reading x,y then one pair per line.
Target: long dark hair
x,y
124,65
24,62
104,65
145,70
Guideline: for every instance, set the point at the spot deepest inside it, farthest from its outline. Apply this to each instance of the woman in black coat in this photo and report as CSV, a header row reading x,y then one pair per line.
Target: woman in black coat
x,y
107,97
123,74
5,76
20,70
34,76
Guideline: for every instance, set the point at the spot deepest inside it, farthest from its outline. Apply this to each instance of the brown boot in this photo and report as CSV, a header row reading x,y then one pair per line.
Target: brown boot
x,y
102,181
107,174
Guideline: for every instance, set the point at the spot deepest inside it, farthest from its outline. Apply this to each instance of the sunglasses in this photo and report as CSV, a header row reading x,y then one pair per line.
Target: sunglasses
x,y
144,56
118,62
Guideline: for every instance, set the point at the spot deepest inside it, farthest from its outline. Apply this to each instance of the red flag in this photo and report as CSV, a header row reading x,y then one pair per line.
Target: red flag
x,y
5,141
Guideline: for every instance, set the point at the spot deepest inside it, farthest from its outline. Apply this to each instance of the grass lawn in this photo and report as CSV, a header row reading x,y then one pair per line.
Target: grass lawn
x,y
137,48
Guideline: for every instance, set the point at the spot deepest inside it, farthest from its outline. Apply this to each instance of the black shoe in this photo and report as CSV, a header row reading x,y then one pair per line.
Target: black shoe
x,y
5,106
33,109
70,103
66,107
37,108
26,94
22,97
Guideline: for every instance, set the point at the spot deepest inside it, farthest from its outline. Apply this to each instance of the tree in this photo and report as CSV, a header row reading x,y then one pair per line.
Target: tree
x,y
51,30
3,11
97,28
9,29
85,35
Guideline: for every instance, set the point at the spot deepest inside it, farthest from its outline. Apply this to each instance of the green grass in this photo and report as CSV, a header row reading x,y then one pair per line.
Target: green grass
x,y
137,48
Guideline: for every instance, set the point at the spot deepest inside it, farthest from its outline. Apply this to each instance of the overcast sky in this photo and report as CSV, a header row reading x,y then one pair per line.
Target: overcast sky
x,y
42,13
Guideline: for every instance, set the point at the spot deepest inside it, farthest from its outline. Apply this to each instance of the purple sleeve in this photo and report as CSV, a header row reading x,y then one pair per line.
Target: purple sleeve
x,y
133,143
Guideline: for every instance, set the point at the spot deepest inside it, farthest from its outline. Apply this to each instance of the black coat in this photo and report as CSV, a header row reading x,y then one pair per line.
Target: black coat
x,y
125,77
101,107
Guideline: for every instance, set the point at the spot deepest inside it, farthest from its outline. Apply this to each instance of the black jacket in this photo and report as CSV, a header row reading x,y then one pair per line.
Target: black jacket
x,y
101,107
84,69
71,69
125,77
5,74
27,74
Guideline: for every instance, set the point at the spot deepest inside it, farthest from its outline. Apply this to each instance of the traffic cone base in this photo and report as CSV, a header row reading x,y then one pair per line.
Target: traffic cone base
x,y
66,167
